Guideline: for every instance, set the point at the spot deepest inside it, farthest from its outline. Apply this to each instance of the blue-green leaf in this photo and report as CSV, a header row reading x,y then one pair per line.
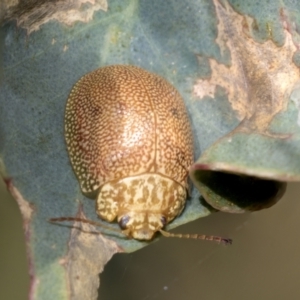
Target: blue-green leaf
x,y
175,39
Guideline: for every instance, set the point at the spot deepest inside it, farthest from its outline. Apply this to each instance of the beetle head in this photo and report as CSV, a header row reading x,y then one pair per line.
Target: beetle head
x,y
141,225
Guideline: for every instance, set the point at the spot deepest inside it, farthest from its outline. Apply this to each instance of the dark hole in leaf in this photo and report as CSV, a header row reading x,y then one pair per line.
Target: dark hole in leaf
x,y
236,192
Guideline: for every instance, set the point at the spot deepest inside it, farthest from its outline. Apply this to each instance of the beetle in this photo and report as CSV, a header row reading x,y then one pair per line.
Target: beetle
x,y
130,144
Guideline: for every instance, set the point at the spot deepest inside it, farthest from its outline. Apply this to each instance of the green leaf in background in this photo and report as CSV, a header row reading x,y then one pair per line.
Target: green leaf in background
x,y
204,48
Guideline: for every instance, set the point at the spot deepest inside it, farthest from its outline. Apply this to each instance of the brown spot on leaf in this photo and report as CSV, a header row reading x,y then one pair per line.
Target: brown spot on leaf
x,y
261,76
31,14
88,252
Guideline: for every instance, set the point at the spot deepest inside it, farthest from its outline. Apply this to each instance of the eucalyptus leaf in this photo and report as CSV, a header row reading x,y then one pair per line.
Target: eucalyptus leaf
x,y
188,43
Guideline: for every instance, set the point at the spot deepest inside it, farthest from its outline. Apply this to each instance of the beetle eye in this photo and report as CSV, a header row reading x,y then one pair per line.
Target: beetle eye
x,y
123,222
163,220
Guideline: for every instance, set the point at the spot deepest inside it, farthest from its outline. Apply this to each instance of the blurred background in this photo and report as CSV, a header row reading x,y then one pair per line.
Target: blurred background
x,y
262,263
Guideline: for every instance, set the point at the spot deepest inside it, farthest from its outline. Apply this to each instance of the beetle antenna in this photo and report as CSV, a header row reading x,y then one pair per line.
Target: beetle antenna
x,y
87,221
213,238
